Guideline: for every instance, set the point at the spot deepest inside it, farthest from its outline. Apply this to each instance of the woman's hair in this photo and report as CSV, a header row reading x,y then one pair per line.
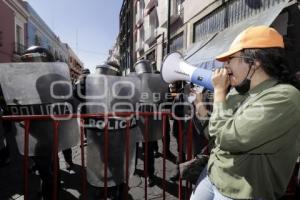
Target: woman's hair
x,y
274,63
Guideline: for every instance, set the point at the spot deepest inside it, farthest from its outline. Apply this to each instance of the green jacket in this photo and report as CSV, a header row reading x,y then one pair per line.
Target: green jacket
x,y
257,141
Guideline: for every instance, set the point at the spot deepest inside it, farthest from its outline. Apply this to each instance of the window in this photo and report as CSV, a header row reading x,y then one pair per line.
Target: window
x,y
151,56
139,12
18,30
229,14
176,43
135,33
37,40
150,25
19,47
176,8
136,7
210,24
164,49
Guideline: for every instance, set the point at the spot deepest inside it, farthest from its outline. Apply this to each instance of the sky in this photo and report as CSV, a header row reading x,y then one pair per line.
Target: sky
x,y
90,27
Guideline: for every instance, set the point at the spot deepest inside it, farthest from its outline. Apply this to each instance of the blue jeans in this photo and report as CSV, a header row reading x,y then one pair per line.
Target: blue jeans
x,y
205,190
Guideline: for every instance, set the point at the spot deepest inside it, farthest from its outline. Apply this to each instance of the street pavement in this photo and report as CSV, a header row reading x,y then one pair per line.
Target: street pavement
x,y
11,178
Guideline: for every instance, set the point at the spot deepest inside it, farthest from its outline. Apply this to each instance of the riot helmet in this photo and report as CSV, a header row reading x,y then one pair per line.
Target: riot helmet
x,y
107,69
37,54
85,71
143,66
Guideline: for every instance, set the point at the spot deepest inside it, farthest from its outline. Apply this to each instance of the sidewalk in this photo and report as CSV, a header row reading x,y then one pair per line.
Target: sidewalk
x,y
11,178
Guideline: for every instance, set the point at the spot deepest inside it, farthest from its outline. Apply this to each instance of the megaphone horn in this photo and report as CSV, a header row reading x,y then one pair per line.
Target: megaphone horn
x,y
174,68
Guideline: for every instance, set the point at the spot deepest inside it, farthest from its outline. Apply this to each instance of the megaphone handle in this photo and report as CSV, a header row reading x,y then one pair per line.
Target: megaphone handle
x,y
202,78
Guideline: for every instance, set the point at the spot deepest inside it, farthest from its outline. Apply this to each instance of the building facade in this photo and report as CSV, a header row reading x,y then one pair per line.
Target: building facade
x,y
13,34
126,36
192,22
74,63
151,29
114,53
21,27
39,34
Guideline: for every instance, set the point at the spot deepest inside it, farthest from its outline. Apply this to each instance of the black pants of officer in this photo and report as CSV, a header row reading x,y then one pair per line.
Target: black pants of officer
x,y
44,165
4,156
150,160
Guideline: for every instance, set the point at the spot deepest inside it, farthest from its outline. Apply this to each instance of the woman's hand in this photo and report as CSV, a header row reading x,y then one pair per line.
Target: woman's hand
x,y
221,82
199,104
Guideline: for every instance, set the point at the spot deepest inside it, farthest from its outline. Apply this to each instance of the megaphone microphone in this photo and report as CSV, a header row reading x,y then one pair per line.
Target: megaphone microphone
x,y
174,68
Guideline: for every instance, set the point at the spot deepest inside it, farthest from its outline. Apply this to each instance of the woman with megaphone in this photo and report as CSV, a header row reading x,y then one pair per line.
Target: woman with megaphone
x,y
256,124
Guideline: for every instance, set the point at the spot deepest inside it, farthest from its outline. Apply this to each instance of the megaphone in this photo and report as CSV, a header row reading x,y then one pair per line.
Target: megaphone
x,y
174,68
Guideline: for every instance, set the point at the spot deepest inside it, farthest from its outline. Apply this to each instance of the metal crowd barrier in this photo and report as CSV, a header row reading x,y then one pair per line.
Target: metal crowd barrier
x,y
56,122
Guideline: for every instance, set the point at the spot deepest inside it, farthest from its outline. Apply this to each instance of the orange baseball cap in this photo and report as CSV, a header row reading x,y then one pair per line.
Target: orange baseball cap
x,y
253,37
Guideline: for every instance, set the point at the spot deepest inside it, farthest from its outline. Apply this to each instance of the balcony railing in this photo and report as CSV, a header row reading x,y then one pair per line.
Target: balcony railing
x,y
19,49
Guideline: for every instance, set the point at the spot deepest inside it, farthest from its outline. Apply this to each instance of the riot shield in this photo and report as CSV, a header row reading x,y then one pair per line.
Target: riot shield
x,y
110,94
153,92
40,89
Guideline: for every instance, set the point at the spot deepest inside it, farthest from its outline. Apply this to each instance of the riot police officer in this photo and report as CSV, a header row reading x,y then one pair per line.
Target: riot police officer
x,y
96,145
153,91
141,67
43,155
4,149
42,163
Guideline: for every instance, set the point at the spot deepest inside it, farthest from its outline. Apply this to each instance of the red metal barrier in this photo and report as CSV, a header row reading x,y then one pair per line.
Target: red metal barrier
x,y
146,155
83,172
55,156
164,157
26,160
180,156
127,142
106,140
27,119
189,155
